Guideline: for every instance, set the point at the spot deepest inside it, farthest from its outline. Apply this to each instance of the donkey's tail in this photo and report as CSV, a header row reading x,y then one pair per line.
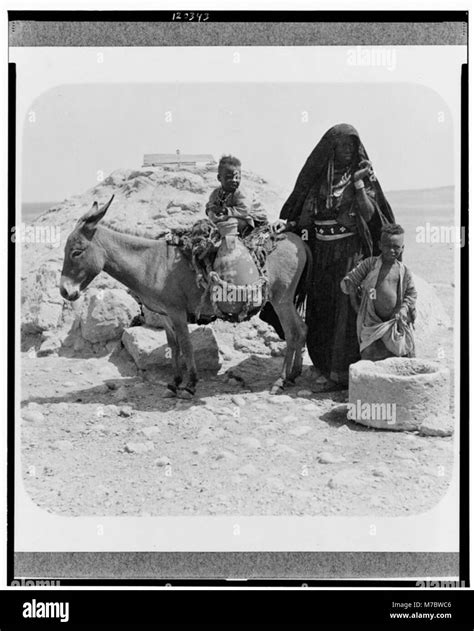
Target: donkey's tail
x,y
304,283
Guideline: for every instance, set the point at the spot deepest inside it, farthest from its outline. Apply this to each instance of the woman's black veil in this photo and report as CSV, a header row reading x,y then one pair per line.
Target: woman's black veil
x,y
315,171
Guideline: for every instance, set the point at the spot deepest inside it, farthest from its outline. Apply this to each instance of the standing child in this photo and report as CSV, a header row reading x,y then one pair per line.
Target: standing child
x,y
228,201
386,311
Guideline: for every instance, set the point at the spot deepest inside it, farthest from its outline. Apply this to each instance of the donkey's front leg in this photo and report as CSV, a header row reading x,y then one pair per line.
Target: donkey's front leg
x,y
180,326
175,360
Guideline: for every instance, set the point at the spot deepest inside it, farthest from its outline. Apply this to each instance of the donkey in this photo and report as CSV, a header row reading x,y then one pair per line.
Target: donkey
x,y
162,277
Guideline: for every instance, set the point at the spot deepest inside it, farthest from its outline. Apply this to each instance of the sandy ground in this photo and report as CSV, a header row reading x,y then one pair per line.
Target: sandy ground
x,y
105,442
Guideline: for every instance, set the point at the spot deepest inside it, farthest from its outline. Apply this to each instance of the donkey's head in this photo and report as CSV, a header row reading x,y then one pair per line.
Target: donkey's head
x,y
83,256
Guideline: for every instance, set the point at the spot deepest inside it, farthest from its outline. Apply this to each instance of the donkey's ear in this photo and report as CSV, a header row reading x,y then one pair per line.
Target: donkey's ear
x,y
95,214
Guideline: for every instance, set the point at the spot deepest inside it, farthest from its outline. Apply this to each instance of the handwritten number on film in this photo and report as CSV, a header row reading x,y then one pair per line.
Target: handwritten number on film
x,y
190,17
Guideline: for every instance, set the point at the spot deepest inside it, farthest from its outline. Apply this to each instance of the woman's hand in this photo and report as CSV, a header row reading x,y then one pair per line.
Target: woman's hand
x,y
365,168
364,204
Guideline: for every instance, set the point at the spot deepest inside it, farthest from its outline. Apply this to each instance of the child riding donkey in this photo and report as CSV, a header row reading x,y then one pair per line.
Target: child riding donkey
x,y
227,200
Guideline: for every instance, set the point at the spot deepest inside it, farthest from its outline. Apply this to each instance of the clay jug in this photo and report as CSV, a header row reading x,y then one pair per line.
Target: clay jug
x,y
235,266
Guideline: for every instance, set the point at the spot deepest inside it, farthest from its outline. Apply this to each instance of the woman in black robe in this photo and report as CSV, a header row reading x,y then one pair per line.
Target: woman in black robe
x,y
338,206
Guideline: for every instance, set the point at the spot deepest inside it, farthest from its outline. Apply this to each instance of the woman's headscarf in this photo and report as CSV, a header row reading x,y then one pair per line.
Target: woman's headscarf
x,y
318,167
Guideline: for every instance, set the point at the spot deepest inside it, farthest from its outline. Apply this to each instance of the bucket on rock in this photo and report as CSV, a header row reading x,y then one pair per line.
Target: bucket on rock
x,y
237,287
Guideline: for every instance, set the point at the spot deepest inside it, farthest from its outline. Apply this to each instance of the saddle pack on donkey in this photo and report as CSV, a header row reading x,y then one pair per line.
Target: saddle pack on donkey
x,y
231,269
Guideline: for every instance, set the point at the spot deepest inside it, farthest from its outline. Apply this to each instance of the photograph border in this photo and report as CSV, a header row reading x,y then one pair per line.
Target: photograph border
x,y
355,568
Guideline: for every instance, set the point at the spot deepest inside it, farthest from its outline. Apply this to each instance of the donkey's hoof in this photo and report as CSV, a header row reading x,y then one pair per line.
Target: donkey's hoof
x,y
277,389
183,393
169,394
